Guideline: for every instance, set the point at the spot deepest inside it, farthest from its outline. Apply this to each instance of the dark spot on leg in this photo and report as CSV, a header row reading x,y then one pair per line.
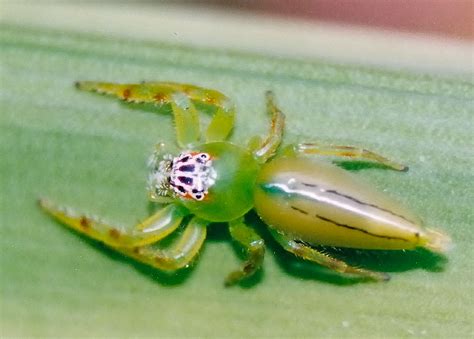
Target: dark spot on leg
x,y
161,98
161,260
187,90
114,233
126,93
249,268
84,222
210,100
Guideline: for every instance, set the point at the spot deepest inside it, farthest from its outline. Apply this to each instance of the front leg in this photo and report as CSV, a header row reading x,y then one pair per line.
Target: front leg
x,y
343,151
181,98
151,230
253,246
178,255
305,251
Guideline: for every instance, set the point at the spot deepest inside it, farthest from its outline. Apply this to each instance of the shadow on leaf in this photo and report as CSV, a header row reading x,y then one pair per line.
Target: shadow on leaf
x,y
357,165
377,260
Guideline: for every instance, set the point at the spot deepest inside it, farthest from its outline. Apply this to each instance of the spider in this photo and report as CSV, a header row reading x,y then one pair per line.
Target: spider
x,y
303,202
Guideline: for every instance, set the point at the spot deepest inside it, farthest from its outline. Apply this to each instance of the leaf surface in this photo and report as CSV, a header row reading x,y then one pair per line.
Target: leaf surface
x,y
90,152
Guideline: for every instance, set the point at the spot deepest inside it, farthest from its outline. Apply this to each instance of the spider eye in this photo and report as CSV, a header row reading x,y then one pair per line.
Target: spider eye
x,y
186,180
185,158
190,175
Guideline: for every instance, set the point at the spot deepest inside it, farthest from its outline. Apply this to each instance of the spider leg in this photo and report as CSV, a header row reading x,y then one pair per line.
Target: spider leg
x,y
269,146
152,229
186,120
343,151
181,98
176,256
304,251
254,248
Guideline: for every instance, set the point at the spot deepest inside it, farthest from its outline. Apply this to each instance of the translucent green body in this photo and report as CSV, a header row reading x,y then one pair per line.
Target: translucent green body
x,y
322,204
232,194
304,203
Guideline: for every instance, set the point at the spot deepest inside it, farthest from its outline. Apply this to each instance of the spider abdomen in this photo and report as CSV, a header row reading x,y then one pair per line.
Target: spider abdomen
x,y
322,204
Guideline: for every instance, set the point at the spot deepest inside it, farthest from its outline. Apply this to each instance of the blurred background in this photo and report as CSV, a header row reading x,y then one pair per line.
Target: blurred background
x,y
451,18
427,36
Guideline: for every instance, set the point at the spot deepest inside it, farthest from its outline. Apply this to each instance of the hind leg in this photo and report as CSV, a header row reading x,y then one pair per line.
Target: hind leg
x,y
343,151
253,246
304,251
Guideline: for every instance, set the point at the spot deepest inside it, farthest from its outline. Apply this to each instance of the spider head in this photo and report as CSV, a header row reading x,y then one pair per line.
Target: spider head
x,y
186,176
214,182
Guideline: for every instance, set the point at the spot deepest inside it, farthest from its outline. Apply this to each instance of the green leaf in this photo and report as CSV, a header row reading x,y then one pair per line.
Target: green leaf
x,y
90,152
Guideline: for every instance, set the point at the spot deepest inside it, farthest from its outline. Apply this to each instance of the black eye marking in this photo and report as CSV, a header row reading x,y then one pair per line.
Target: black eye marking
x,y
186,180
186,158
186,168
191,174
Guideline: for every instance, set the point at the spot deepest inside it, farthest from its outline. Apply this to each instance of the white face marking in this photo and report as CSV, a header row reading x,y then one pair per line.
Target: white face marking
x,y
192,174
188,175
